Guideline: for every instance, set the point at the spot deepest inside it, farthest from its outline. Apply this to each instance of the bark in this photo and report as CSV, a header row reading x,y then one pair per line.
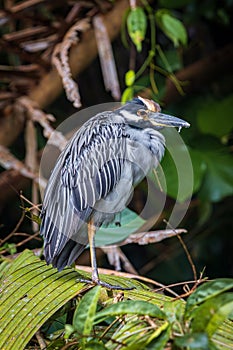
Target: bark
x,y
50,85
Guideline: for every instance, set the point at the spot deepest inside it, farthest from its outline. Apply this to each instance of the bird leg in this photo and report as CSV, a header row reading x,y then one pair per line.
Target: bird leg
x,y
91,239
95,275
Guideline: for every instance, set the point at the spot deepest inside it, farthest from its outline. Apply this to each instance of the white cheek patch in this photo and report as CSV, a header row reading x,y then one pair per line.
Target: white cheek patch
x,y
130,116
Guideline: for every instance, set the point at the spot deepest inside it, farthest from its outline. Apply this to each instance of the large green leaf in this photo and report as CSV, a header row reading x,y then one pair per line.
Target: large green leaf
x,y
206,291
160,342
137,24
171,26
198,341
184,170
218,180
211,314
131,307
32,292
85,312
129,223
215,117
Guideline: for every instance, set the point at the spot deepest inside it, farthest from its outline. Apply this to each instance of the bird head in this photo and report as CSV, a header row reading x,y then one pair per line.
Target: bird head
x,y
145,113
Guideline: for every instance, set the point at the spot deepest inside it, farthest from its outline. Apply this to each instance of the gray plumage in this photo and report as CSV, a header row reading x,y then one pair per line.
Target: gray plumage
x,y
95,174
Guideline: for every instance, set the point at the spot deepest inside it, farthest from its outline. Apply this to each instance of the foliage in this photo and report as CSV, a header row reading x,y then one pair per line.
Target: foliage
x,y
211,160
34,295
169,39
130,222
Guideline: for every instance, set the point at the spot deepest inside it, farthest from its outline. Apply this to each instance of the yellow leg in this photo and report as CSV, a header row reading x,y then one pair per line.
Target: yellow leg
x,y
95,276
91,239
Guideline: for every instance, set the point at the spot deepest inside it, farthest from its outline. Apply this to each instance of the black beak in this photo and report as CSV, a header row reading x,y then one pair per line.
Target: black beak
x,y
165,120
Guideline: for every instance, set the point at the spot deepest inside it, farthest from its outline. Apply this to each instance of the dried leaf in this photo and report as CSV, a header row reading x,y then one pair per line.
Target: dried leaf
x,y
61,60
143,238
56,138
116,256
107,61
31,163
9,161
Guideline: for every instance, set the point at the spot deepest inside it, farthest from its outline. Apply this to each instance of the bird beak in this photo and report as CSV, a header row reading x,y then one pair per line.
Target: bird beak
x,y
164,120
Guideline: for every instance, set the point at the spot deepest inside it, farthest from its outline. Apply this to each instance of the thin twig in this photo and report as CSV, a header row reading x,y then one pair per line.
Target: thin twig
x,y
200,280
41,340
107,61
60,59
190,291
33,206
29,238
2,241
186,251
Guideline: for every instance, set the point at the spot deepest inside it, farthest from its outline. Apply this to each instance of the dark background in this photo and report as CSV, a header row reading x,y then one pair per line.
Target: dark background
x,y
209,218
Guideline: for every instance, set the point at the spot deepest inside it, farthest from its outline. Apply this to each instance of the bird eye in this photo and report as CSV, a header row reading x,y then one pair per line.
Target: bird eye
x,y
142,113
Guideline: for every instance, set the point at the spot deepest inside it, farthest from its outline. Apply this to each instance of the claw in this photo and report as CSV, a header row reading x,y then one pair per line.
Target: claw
x,y
97,282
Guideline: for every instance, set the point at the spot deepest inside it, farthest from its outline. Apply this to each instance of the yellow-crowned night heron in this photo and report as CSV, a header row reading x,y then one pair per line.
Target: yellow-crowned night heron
x,y
93,177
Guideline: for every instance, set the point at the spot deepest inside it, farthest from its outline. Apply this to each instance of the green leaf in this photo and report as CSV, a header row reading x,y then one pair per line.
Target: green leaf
x,y
129,77
174,311
10,247
137,24
180,160
207,290
4,266
172,61
218,180
130,222
159,342
211,314
131,307
127,94
199,341
215,117
69,329
31,293
171,26
85,312
56,344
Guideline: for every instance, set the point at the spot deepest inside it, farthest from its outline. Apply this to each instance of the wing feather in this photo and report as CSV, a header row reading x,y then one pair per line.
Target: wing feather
x,y
85,172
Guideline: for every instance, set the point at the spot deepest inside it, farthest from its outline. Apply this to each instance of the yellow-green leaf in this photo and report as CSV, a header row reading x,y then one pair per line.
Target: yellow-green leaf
x,y
85,312
136,24
31,293
129,77
172,27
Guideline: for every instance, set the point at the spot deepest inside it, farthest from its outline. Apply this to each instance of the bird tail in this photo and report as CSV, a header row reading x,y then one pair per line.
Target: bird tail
x,y
67,255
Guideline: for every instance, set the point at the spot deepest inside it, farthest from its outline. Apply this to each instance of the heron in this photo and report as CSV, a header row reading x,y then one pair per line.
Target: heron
x,y
94,176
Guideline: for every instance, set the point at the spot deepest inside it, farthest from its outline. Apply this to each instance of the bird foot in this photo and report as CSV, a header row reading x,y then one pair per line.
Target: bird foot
x,y
97,282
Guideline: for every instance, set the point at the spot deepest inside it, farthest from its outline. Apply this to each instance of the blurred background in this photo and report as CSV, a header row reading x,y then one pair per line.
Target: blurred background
x,y
59,57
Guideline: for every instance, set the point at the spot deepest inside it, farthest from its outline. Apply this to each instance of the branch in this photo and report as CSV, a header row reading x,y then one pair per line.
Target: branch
x,y
60,59
201,73
107,61
50,85
9,161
